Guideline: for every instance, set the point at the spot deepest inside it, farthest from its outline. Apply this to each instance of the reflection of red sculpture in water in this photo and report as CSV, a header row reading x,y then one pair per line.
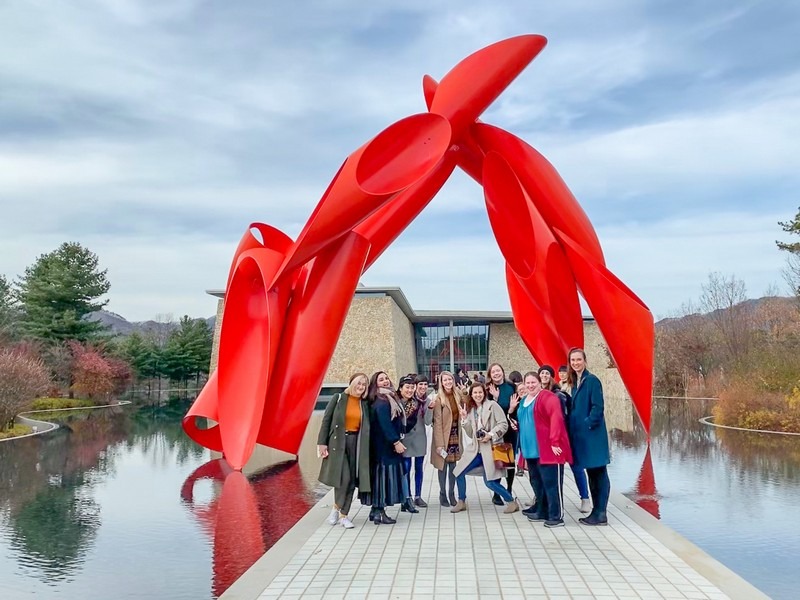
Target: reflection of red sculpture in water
x,y
645,490
247,517
281,293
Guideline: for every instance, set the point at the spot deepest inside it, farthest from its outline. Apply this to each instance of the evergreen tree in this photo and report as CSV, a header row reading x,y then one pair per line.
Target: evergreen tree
x,y
8,311
792,271
59,291
188,350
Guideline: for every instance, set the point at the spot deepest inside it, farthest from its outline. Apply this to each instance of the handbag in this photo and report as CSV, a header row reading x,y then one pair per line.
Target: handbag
x,y
503,455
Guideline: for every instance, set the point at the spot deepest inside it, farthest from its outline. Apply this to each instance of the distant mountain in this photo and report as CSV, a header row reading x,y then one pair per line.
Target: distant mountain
x,y
752,304
121,326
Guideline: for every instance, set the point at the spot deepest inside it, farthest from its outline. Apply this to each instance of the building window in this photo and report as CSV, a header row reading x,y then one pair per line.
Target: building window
x,y
437,351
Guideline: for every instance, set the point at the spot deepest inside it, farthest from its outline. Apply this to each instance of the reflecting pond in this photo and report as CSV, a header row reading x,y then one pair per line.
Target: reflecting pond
x,y
732,493
119,503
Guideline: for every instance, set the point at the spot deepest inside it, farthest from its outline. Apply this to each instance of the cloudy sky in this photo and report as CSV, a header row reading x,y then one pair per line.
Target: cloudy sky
x,y
155,132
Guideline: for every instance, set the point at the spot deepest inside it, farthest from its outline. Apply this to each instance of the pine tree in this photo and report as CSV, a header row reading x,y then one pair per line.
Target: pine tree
x,y
59,291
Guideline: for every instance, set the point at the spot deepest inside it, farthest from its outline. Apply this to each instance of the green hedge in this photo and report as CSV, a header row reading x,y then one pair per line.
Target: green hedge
x,y
58,403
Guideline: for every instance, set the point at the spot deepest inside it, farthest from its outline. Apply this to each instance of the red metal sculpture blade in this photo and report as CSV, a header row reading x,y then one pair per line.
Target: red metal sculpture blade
x,y
528,253
624,320
310,333
394,160
383,226
547,190
474,83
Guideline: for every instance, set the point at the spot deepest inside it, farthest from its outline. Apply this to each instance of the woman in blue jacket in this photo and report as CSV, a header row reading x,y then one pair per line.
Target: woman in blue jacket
x,y
589,436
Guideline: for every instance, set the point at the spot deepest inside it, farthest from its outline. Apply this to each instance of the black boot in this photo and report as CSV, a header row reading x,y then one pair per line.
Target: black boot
x,y
595,519
382,517
452,497
373,512
496,499
408,506
443,499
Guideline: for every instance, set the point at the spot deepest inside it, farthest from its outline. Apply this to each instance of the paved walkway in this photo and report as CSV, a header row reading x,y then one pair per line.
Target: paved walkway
x,y
483,553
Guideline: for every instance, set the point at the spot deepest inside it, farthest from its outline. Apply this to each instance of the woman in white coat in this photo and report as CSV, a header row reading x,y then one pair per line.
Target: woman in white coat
x,y
484,422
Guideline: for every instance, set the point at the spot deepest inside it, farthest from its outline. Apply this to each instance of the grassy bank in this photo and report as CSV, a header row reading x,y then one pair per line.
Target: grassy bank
x,y
746,404
15,431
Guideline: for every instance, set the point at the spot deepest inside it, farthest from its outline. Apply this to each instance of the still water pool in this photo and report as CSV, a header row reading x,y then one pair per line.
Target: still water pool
x,y
119,503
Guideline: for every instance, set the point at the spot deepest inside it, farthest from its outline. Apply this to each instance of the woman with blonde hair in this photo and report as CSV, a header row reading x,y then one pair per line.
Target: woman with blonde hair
x,y
446,439
343,444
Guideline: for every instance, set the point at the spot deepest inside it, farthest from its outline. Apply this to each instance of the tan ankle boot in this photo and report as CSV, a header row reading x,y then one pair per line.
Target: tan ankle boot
x,y
511,507
460,505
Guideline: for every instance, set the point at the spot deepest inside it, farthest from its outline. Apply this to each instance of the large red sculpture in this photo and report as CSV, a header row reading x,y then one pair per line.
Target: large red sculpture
x,y
286,300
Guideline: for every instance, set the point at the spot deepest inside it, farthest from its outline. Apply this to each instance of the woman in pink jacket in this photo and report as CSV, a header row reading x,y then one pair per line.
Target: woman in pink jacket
x,y
554,453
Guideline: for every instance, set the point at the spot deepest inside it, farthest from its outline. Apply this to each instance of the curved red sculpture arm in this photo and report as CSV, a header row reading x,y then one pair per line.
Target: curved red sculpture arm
x,y
474,83
549,193
312,327
383,226
624,320
394,160
538,265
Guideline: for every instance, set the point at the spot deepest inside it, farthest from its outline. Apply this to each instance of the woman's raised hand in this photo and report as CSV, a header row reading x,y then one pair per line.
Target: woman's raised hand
x,y
514,402
493,391
462,410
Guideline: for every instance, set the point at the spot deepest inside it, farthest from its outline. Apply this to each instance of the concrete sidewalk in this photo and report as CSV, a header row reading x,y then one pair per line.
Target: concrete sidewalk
x,y
483,553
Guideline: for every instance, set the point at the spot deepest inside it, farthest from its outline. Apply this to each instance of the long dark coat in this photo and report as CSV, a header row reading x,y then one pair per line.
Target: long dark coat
x,y
331,434
587,424
385,431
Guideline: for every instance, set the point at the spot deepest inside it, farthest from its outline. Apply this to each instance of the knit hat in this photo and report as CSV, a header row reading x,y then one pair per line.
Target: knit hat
x,y
547,368
406,379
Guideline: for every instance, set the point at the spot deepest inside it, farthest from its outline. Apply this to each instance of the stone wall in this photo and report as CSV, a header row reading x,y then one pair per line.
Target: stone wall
x,y
217,330
508,349
374,338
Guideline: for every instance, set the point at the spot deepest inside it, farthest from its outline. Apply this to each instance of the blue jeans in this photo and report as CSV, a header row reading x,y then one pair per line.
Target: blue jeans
x,y
418,471
580,481
493,484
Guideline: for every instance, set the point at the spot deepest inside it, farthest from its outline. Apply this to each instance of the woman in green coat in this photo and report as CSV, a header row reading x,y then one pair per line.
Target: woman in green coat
x,y
343,444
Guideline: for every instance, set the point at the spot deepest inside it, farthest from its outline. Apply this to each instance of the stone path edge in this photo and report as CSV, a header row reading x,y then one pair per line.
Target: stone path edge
x,y
257,578
728,581
52,426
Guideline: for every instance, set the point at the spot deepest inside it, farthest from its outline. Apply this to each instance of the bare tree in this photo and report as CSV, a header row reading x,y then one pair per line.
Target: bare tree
x,y
22,379
724,299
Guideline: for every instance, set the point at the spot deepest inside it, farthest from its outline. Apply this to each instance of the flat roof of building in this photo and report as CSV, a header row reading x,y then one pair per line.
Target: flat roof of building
x,y
425,316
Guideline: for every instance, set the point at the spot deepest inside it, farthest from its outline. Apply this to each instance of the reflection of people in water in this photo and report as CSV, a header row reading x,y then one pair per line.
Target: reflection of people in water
x,y
343,443
587,427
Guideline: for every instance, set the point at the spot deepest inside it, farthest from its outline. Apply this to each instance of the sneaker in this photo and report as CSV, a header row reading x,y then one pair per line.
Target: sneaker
x,y
531,510
555,523
346,523
593,521
420,502
586,505
333,518
511,507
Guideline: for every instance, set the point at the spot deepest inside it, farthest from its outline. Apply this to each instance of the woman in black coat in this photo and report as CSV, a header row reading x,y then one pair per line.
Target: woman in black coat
x,y
387,429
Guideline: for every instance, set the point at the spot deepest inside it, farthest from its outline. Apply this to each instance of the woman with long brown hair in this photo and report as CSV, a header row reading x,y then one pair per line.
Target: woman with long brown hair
x,y
484,422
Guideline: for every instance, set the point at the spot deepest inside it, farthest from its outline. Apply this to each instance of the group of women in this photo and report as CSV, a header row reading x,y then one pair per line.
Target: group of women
x,y
374,433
